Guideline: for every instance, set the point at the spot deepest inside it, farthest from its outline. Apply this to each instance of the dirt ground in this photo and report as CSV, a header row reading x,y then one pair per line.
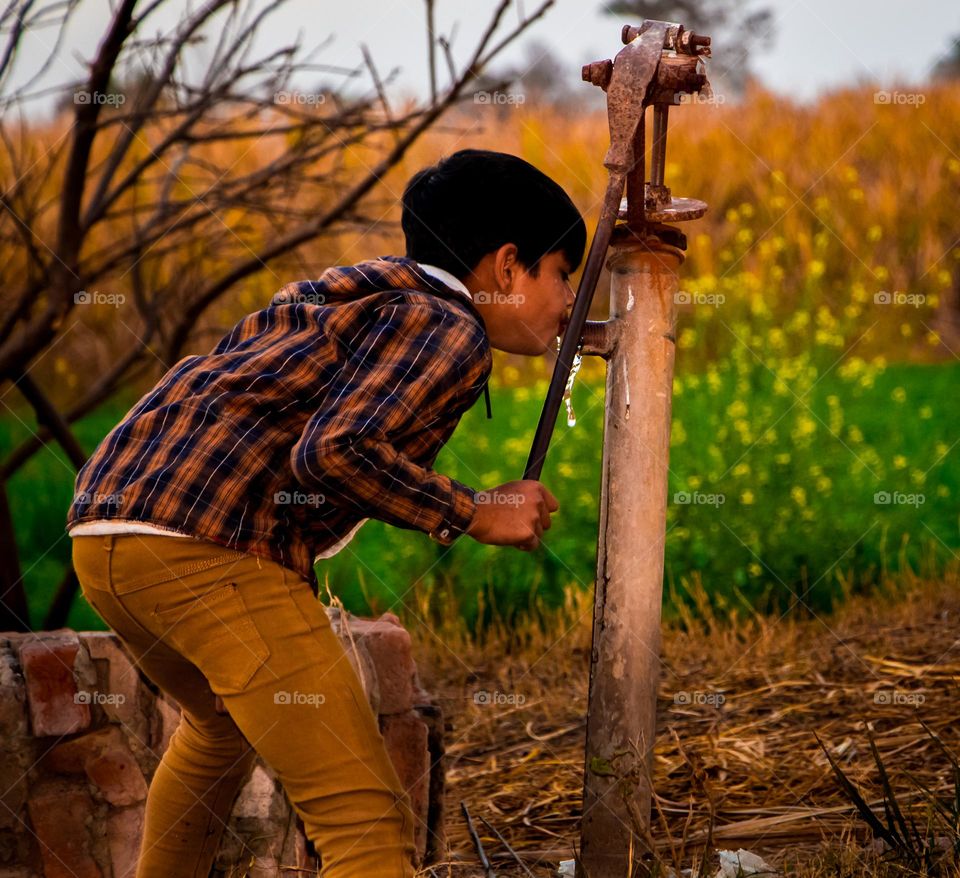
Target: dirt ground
x,y
740,700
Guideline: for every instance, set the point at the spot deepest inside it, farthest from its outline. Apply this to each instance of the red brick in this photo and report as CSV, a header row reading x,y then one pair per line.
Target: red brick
x,y
119,684
388,644
71,757
116,774
49,667
124,833
105,756
58,814
405,737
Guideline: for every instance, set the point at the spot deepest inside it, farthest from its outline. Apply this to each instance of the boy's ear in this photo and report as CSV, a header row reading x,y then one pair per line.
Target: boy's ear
x,y
505,266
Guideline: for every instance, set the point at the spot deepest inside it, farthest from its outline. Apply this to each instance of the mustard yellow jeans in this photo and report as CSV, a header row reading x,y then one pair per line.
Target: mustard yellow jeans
x,y
201,620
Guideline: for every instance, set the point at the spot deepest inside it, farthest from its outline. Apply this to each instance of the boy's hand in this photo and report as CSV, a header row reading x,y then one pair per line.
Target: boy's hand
x,y
514,514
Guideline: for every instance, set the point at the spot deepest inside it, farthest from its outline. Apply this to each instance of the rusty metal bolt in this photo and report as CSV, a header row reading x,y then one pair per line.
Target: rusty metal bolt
x,y
598,72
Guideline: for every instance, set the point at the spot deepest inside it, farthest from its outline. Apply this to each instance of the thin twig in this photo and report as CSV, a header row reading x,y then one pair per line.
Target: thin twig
x,y
476,842
506,844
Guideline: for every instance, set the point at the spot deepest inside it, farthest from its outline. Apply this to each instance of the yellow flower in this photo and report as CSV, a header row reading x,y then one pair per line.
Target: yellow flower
x,y
746,498
754,569
899,394
515,445
899,461
688,338
565,469
737,408
741,469
510,374
694,482
824,484
805,426
782,458
799,495
925,412
943,491
874,234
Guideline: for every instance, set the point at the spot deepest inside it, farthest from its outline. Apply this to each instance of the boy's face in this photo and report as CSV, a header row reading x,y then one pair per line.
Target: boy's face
x,y
523,313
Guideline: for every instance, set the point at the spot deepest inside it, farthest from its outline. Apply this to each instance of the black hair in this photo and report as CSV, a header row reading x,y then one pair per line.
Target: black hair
x,y
475,201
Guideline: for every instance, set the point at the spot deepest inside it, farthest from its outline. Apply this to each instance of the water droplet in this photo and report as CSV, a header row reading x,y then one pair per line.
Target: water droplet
x,y
568,390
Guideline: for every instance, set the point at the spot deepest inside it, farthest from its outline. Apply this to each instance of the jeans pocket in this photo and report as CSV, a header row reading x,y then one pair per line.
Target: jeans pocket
x,y
216,632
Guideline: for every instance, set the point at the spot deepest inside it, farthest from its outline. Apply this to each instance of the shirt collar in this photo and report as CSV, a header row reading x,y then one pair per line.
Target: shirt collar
x,y
446,278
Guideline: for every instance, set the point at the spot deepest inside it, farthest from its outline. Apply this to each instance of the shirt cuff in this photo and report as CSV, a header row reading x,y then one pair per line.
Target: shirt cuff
x,y
458,515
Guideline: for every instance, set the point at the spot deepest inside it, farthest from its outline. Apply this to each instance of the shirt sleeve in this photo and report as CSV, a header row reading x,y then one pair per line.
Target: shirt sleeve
x,y
408,375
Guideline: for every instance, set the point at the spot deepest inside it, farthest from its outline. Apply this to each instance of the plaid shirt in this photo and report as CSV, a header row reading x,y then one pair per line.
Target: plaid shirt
x,y
325,408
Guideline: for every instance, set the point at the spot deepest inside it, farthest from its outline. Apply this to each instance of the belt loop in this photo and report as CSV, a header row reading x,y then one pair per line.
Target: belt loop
x,y
108,540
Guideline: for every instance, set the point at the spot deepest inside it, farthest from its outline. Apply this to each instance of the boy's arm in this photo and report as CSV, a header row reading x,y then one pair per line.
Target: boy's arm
x,y
403,377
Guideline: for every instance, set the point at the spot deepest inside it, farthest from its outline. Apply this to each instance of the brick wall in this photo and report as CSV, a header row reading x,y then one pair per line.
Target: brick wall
x,y
81,733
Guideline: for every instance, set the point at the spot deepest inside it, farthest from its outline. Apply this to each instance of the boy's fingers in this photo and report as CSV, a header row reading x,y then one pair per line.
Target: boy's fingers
x,y
552,504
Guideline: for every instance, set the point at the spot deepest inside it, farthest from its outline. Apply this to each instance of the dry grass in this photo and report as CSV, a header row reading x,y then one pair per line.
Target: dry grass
x,y
750,765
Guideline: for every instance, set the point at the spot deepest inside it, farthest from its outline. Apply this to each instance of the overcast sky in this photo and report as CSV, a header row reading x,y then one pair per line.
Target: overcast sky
x,y
817,44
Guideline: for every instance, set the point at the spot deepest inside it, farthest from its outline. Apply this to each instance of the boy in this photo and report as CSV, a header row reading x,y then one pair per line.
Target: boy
x,y
197,521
